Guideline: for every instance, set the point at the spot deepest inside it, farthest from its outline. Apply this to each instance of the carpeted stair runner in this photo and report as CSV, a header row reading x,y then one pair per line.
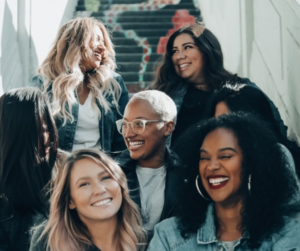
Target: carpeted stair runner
x,y
139,30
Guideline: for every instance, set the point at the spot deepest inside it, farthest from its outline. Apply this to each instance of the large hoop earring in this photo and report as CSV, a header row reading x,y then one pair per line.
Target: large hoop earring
x,y
249,183
199,191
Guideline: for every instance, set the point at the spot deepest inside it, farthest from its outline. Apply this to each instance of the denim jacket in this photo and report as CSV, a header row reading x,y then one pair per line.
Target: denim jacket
x,y
110,139
178,93
167,237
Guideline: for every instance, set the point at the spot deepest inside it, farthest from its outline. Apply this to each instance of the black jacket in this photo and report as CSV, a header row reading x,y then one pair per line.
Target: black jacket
x,y
176,178
15,227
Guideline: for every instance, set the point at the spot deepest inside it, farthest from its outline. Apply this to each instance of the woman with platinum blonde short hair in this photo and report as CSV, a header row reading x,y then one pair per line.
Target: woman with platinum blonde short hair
x,y
90,208
86,95
154,173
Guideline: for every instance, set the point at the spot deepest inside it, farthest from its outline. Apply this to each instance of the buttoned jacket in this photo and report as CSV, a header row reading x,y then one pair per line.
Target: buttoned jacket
x,y
167,237
110,139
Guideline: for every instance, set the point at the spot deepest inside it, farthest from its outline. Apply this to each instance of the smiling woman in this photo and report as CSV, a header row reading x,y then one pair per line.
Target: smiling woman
x,y
155,175
90,208
86,95
192,69
243,200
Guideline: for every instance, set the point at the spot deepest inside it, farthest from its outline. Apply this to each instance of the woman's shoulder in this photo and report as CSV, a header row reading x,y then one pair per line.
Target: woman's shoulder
x,y
288,236
168,227
167,236
37,243
37,81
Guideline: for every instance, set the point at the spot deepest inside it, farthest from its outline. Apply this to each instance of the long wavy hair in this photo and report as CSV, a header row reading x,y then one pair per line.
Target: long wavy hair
x,y
215,75
273,187
25,168
61,70
65,230
252,100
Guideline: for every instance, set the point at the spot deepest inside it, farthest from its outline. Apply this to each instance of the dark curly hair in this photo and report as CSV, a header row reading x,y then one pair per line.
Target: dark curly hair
x,y
273,187
252,100
214,72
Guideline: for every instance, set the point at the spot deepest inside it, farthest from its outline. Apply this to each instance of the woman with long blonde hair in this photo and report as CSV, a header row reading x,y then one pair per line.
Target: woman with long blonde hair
x,y
90,208
86,95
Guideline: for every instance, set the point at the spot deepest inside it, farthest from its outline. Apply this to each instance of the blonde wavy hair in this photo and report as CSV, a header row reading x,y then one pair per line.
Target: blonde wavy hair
x,y
65,231
61,70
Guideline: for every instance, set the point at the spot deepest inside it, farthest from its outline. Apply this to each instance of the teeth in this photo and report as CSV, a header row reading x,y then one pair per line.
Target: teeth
x,y
217,181
97,54
183,65
102,202
136,143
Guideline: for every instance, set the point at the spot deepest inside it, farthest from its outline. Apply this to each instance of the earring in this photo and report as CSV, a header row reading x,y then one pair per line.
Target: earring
x,y
249,183
199,191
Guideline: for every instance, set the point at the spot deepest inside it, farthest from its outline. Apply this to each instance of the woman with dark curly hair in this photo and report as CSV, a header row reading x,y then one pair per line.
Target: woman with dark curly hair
x,y
191,70
241,197
236,98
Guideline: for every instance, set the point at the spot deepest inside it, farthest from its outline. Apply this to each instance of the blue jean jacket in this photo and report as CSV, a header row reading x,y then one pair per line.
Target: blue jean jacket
x,y
110,138
167,237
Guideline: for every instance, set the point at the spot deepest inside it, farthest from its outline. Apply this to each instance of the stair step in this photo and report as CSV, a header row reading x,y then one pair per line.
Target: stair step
x,y
128,49
134,87
144,33
144,19
133,49
127,41
121,1
139,26
136,57
120,41
134,76
135,66
168,7
162,12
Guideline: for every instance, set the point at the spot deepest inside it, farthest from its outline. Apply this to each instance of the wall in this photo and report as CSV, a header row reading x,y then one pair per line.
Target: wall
x,y
27,30
261,41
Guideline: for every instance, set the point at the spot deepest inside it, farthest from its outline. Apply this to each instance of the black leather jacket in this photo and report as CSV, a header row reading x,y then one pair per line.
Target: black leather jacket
x,y
14,227
176,178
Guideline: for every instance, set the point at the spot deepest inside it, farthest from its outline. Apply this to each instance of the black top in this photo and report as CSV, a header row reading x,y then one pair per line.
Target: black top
x,y
192,110
41,245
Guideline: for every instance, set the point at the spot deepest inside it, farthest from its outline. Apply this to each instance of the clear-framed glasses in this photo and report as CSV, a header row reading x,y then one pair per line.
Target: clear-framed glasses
x,y
137,125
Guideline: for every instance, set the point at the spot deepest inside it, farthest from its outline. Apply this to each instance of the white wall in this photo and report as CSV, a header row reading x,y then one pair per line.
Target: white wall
x,y
27,30
261,40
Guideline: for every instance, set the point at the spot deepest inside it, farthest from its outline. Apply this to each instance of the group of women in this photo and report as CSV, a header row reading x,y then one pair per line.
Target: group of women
x,y
202,161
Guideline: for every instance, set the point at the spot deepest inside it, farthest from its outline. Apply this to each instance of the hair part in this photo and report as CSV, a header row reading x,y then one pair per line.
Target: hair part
x,y
65,230
62,73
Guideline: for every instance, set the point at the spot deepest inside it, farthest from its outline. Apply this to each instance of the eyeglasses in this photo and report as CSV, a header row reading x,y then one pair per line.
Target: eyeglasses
x,y
137,125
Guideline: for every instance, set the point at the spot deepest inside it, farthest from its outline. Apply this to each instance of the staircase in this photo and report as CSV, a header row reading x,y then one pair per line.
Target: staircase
x,y
139,30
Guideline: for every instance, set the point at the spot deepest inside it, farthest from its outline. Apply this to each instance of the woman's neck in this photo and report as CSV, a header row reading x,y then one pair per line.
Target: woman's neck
x,y
104,234
154,162
229,221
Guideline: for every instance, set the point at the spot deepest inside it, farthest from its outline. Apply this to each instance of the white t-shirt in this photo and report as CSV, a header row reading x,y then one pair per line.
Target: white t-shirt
x,y
87,133
152,193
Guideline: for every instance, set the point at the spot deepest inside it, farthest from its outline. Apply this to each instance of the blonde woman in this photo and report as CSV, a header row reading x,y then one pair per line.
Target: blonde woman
x,y
87,96
90,208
